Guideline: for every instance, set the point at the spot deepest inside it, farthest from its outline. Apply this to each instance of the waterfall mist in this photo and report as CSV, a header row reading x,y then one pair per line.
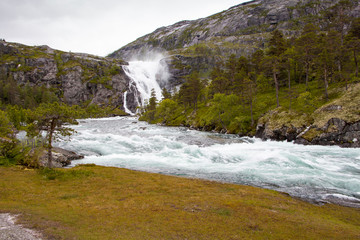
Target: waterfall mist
x,y
150,72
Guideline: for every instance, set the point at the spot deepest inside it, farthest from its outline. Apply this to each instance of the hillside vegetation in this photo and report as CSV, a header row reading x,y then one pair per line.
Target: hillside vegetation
x,y
297,76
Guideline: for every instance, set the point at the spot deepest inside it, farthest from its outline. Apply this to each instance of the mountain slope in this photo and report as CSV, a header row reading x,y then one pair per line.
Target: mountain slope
x,y
76,78
243,24
199,44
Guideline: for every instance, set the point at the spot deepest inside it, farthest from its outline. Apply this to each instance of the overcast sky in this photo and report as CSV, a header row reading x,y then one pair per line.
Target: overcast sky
x,y
96,26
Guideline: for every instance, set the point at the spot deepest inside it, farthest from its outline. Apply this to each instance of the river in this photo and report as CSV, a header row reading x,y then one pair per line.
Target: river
x,y
317,174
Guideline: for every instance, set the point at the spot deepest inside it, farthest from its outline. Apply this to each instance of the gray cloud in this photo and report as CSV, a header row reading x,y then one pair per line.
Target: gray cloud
x,y
95,26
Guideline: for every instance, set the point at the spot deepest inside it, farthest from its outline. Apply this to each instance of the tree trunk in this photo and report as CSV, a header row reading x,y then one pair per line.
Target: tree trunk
x,y
307,75
251,111
326,84
51,132
276,88
296,76
289,82
222,123
356,64
251,103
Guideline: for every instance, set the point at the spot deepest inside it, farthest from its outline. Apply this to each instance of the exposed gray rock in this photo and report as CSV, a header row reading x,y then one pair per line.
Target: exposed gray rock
x,y
288,133
61,158
72,85
79,78
36,71
338,132
47,49
335,132
331,108
9,230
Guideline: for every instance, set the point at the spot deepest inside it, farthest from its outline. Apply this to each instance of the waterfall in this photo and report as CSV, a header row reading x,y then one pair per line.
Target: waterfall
x,y
125,105
145,76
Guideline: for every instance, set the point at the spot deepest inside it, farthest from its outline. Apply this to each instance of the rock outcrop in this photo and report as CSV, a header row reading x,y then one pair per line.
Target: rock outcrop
x,y
77,78
336,123
281,125
335,132
61,158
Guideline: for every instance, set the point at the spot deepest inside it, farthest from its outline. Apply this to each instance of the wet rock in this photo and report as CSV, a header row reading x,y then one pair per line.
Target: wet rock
x,y
335,132
282,133
61,158
339,132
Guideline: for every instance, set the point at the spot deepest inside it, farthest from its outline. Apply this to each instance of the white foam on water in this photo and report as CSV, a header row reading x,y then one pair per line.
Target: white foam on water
x,y
302,171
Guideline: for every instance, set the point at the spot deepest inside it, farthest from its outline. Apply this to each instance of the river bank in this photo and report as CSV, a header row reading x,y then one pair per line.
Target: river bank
x,y
329,123
92,202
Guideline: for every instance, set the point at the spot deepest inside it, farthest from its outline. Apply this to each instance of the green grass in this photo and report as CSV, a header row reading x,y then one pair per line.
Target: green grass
x,y
348,100
91,202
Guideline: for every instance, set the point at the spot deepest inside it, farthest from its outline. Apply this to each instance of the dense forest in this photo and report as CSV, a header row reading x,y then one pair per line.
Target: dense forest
x,y
295,75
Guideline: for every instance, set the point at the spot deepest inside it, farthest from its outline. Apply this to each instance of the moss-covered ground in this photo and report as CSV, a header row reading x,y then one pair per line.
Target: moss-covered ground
x,y
92,202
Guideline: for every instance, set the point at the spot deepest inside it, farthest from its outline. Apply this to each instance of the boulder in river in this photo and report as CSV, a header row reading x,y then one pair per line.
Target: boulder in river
x,y
61,158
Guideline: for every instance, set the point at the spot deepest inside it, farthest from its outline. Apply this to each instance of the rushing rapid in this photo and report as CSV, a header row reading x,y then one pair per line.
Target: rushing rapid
x,y
314,173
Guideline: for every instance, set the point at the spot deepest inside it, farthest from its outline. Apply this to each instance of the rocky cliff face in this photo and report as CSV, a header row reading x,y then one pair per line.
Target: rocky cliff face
x,y
243,25
335,132
238,30
77,78
336,123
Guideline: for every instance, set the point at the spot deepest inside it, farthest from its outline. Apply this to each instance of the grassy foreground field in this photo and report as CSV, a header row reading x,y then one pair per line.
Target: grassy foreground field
x,y
92,202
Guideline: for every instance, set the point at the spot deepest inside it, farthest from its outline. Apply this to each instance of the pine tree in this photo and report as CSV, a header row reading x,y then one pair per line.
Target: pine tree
x,y
166,94
256,61
306,49
152,100
231,66
8,141
190,91
353,43
327,57
288,62
339,17
51,118
219,82
277,47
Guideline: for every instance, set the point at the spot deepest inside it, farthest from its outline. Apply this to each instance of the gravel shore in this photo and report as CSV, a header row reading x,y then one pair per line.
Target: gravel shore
x,y
9,230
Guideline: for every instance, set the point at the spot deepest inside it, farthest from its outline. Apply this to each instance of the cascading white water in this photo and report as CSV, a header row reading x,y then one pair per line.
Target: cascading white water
x,y
315,173
145,76
125,105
